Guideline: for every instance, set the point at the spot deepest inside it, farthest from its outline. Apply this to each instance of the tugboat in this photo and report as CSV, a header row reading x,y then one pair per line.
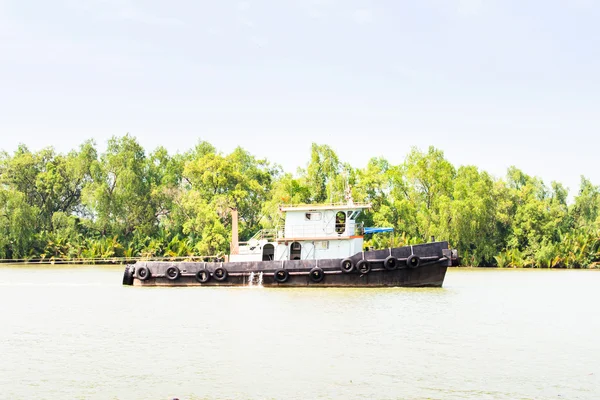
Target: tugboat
x,y
319,245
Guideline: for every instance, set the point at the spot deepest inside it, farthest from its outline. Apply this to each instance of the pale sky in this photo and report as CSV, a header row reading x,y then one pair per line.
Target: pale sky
x,y
492,83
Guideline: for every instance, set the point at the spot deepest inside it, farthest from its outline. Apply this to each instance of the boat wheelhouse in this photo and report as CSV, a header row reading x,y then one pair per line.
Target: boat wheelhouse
x,y
311,232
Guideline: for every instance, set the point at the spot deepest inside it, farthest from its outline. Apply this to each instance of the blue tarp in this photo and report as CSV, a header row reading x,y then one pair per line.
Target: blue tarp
x,y
378,230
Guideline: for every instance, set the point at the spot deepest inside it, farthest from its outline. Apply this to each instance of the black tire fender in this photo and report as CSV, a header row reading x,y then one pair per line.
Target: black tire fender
x,y
203,276
128,275
220,274
347,265
316,274
390,263
143,273
413,261
173,273
281,275
363,266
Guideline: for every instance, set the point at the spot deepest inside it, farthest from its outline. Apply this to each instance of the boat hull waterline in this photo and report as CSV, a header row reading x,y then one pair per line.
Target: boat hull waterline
x,y
422,265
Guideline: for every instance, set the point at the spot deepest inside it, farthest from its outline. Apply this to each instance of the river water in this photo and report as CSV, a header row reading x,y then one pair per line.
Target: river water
x,y
76,333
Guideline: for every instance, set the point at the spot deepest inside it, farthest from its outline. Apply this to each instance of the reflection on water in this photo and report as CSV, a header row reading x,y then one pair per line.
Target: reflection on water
x,y
500,334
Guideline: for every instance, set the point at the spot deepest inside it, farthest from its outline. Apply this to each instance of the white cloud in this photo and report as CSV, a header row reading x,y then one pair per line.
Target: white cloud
x,y
246,22
363,16
585,4
139,15
259,41
124,10
316,13
318,9
470,7
242,14
214,31
243,5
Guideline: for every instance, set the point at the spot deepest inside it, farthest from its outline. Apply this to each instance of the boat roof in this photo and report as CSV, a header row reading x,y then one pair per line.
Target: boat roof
x,y
318,207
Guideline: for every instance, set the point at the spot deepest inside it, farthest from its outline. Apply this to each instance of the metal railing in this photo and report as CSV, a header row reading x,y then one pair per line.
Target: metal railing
x,y
108,260
308,231
269,234
318,205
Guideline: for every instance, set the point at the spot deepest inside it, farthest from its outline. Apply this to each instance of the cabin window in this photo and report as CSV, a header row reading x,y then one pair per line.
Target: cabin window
x,y
295,251
313,216
322,245
268,252
340,222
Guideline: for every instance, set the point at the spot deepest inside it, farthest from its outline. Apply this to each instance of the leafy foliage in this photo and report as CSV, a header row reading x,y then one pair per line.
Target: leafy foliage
x,y
126,202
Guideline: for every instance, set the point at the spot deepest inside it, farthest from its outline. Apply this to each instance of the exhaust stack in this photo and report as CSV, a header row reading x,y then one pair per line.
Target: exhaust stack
x,y
234,246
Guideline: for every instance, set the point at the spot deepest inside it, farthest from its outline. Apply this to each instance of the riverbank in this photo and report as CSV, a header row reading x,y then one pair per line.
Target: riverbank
x,y
133,260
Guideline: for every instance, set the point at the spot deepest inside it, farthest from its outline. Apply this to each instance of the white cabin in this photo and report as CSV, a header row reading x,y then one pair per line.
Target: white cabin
x,y
310,232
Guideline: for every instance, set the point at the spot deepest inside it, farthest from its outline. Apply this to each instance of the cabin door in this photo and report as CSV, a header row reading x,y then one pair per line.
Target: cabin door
x,y
295,251
340,222
268,252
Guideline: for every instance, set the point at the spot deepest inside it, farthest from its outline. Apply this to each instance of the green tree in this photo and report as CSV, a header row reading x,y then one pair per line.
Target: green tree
x,y
216,185
51,182
586,209
472,216
429,188
323,168
119,196
18,224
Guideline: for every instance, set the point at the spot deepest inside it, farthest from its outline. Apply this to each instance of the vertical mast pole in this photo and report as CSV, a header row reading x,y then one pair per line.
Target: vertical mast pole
x,y
234,247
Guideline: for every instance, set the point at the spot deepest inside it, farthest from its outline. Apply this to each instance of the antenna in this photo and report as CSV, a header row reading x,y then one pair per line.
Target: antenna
x,y
347,188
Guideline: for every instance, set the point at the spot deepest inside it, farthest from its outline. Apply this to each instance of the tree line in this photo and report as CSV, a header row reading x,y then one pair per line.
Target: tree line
x,y
125,202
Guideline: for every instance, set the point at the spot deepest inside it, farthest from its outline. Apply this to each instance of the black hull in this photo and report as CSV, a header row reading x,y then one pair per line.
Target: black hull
x,y
433,261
